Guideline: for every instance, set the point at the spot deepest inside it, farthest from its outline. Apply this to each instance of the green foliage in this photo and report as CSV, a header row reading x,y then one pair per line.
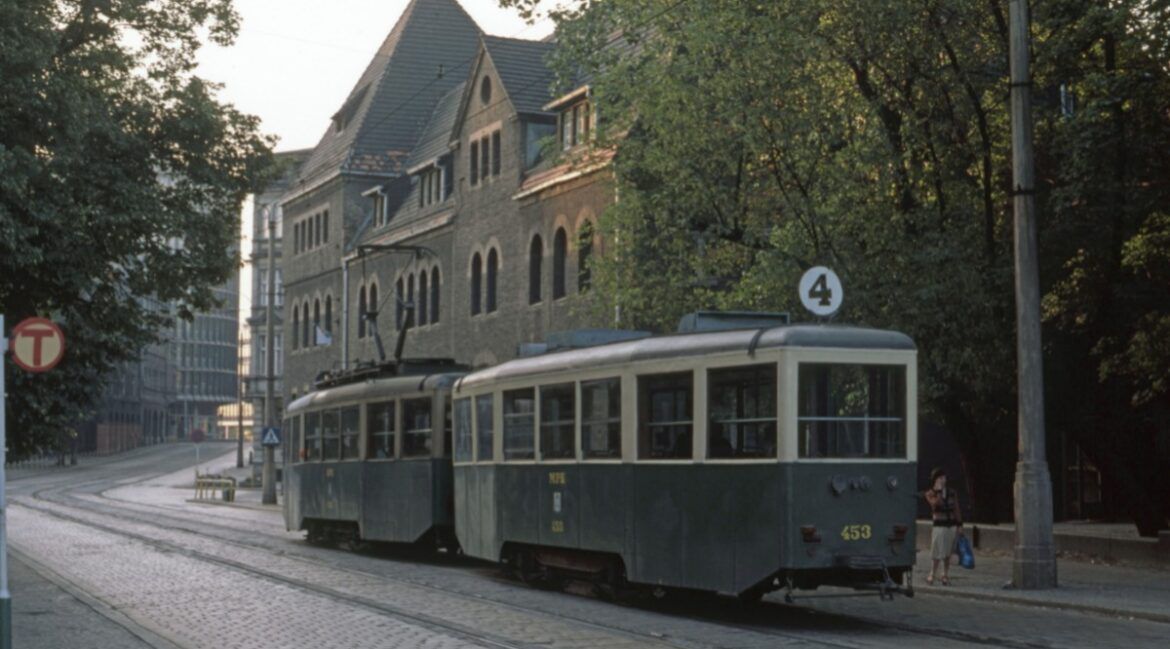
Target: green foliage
x,y
121,181
757,138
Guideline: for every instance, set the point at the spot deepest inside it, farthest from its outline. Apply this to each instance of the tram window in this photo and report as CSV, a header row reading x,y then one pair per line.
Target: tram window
x,y
292,433
350,427
416,424
330,435
312,450
557,419
519,436
664,417
484,412
448,427
742,408
601,419
852,411
463,430
380,430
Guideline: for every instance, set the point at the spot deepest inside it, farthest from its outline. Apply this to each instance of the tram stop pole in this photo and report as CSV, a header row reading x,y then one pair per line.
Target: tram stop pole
x,y
5,596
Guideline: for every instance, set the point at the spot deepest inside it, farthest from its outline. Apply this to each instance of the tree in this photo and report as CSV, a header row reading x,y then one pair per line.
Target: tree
x,y
121,181
756,139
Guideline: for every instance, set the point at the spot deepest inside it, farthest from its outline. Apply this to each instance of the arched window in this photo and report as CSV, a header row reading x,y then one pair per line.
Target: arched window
x,y
535,262
399,296
476,283
305,325
296,326
362,312
372,309
423,295
493,273
410,297
435,295
584,254
560,251
316,320
329,314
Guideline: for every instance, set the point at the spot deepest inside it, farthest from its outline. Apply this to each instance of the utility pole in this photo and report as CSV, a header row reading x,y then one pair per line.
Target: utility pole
x,y
1034,563
268,475
240,401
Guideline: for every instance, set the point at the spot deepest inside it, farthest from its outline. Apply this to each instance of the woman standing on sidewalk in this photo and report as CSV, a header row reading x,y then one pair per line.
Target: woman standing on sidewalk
x,y
947,521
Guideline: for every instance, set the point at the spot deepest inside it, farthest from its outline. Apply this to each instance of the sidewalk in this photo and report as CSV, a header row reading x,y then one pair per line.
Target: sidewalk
x,y
1110,590
49,613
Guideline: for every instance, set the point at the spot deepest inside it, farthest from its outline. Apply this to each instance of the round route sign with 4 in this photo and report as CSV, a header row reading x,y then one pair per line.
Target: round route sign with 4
x,y
821,291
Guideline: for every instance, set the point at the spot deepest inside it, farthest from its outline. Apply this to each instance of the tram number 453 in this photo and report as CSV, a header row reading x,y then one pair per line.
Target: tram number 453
x,y
856,532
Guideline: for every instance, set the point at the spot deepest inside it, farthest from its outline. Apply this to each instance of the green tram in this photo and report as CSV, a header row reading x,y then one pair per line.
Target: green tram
x,y
370,456
736,461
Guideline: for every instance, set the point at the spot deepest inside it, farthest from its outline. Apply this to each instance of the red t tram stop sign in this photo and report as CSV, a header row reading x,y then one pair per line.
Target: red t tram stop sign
x,y
37,344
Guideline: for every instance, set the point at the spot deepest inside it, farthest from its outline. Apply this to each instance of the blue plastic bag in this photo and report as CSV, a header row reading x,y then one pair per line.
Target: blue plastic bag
x,y
966,554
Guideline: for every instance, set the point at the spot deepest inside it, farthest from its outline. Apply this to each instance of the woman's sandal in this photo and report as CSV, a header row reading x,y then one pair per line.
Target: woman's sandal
x,y
929,580
946,582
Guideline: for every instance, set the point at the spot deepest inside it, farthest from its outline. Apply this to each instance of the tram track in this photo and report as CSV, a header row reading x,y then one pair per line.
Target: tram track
x,y
723,616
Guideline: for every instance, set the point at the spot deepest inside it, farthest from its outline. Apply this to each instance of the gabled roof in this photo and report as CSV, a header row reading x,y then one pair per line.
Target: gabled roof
x,y
437,135
392,100
523,70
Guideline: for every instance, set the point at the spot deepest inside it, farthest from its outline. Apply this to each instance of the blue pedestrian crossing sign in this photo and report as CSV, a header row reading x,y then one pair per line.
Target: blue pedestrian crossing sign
x,y
271,437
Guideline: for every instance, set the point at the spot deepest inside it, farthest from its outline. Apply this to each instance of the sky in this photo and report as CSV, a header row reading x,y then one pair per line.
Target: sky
x,y
295,61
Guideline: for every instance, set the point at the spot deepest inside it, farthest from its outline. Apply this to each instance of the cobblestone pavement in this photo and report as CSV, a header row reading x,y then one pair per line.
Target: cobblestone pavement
x,y
213,576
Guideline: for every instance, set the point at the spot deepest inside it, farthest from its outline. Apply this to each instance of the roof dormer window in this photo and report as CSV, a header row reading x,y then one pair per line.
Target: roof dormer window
x,y
342,118
576,124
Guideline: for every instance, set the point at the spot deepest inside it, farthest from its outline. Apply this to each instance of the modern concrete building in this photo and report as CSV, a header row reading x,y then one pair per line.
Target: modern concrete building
x,y
203,356
435,186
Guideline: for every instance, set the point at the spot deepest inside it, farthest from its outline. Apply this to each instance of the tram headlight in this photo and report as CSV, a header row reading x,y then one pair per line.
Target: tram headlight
x,y
892,482
838,484
865,483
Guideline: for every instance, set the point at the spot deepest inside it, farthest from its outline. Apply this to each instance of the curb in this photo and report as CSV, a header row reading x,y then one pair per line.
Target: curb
x,y
146,634
1005,598
219,503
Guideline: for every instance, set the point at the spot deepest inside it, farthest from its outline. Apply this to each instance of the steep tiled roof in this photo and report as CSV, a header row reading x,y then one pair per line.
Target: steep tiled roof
x,y
437,135
523,69
392,101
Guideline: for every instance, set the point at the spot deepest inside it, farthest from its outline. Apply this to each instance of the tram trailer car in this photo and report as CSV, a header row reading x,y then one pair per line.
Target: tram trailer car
x,y
371,458
736,461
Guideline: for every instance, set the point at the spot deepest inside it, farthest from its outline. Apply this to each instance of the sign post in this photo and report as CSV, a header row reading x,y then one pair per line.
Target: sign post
x,y
37,345
5,596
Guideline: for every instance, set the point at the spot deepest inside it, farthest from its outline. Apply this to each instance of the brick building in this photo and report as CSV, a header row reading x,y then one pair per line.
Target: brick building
x,y
436,186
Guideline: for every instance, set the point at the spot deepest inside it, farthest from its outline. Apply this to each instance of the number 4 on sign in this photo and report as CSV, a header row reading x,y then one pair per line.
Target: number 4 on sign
x,y
820,291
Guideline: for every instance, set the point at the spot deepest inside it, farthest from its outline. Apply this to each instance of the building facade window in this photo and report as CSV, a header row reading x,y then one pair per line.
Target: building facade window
x,y
560,252
473,162
496,153
535,262
316,322
435,295
295,325
423,295
476,284
576,124
372,309
361,315
325,226
399,298
410,301
493,274
329,314
305,325
485,157
584,256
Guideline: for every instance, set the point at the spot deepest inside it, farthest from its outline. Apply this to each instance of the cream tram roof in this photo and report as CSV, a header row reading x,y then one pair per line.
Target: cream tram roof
x,y
373,389
694,344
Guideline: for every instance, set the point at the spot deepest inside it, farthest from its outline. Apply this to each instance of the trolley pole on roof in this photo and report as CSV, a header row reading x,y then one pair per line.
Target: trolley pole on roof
x,y
1034,563
5,596
268,474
